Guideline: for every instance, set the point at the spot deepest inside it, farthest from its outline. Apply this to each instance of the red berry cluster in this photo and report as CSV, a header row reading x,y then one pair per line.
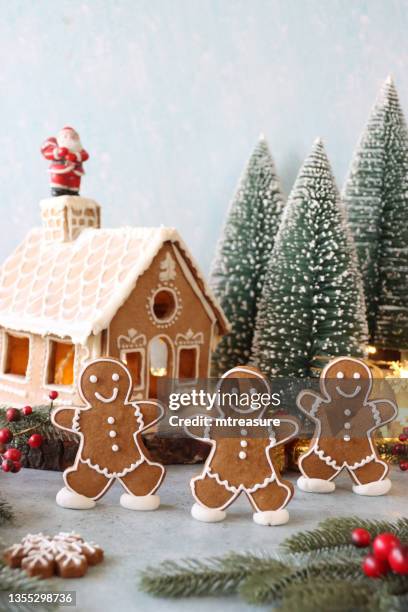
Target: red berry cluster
x,y
388,554
401,449
10,457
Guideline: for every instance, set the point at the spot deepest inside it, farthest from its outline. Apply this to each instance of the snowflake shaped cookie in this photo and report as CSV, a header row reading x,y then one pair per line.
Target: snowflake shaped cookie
x,y
66,555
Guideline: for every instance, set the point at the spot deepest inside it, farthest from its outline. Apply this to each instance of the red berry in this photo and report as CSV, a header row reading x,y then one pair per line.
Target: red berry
x,y
12,414
383,545
27,410
53,395
13,454
373,567
398,560
403,437
360,537
35,440
16,467
5,435
398,449
7,465
403,466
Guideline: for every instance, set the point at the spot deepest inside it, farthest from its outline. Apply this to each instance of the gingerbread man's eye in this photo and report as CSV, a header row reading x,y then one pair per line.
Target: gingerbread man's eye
x,y
356,375
93,378
340,375
115,377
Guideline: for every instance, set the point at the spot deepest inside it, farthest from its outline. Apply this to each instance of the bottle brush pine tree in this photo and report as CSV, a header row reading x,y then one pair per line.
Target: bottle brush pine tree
x,y
312,305
376,199
243,251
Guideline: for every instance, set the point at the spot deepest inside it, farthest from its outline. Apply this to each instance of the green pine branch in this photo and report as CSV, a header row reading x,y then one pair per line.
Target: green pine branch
x,y
17,581
214,576
318,595
265,587
335,533
6,513
318,570
37,422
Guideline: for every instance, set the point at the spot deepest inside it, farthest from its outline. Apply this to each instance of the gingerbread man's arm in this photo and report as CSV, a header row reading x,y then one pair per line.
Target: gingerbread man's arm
x,y
384,411
309,403
63,418
152,412
200,431
289,427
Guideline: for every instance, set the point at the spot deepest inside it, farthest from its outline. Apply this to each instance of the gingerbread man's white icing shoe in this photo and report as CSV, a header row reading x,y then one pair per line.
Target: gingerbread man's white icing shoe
x,y
140,502
271,517
373,489
207,515
315,485
69,499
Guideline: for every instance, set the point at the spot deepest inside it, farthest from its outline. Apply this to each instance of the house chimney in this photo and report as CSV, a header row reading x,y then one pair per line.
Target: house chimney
x,y
65,217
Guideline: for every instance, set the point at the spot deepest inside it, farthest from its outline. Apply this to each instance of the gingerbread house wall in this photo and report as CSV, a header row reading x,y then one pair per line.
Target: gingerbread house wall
x,y
133,327
193,323
33,389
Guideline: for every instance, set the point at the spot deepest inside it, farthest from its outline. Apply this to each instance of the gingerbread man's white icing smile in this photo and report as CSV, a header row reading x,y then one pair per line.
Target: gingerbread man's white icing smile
x,y
102,398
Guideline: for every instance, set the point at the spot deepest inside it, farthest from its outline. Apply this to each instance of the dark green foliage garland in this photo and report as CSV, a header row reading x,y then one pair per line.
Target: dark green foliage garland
x,y
37,422
315,571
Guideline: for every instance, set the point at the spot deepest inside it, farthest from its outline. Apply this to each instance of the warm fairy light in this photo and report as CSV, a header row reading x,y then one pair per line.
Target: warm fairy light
x,y
158,371
371,350
399,368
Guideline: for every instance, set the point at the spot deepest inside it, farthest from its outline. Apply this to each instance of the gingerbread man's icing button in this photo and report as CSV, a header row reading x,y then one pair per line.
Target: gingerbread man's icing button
x,y
115,448
347,412
110,420
112,433
243,432
242,455
347,438
244,443
347,425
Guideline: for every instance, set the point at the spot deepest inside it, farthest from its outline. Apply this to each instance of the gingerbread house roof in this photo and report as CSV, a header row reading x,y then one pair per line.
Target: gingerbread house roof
x,y
73,289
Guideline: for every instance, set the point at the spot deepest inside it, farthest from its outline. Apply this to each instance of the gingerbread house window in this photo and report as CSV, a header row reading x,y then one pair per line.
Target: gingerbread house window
x,y
188,363
61,357
164,304
16,355
134,359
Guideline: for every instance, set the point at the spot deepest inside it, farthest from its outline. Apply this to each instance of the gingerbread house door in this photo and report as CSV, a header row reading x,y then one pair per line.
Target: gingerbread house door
x,y
160,363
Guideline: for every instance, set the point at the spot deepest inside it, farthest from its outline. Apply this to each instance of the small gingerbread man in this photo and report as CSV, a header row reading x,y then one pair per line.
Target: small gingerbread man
x,y
240,458
111,447
345,418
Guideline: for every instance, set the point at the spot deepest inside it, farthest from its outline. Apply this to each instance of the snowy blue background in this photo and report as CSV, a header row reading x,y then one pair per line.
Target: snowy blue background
x,y
169,97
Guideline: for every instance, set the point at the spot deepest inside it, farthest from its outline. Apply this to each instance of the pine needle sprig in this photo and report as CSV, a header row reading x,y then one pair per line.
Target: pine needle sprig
x,y
214,576
335,533
37,422
317,595
17,581
318,570
6,513
266,587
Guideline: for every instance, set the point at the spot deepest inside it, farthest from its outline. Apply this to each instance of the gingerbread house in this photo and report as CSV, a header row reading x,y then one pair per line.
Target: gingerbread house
x,y
73,291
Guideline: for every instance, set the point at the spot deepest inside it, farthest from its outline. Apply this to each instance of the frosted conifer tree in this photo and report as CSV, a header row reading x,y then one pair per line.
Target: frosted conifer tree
x,y
376,198
312,305
243,252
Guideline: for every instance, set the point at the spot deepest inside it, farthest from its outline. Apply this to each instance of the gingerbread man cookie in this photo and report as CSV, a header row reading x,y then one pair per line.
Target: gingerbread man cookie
x,y
111,447
345,418
240,458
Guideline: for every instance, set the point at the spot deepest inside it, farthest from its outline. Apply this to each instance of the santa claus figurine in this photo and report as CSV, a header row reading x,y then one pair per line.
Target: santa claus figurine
x,y
66,155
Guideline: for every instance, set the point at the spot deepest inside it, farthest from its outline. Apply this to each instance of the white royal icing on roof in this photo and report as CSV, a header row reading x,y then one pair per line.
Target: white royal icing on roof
x,y
75,288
